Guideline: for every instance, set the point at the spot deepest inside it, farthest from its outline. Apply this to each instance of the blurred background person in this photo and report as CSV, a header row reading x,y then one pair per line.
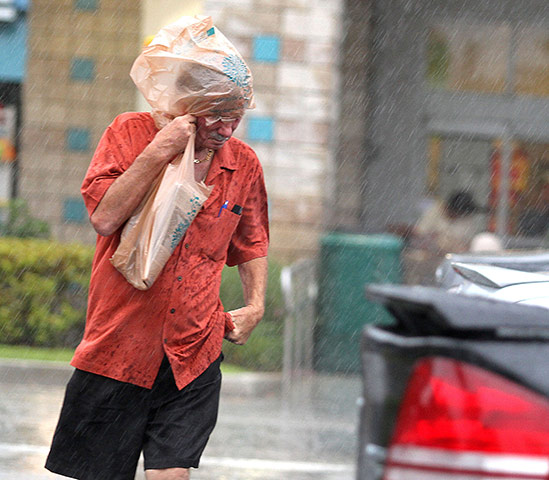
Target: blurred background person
x,y
450,226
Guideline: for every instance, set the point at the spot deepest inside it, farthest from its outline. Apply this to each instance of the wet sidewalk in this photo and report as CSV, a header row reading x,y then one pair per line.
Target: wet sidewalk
x,y
265,430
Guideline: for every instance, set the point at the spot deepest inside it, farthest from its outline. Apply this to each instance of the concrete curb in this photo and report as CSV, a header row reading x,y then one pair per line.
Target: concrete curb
x,y
58,373
34,371
251,383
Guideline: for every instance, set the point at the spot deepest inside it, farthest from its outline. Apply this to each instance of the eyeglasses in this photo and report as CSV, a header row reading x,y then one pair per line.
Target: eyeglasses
x,y
210,119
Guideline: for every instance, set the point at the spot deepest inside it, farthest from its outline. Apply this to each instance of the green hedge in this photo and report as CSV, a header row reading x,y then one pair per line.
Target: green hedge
x,y
43,297
43,292
263,351
16,221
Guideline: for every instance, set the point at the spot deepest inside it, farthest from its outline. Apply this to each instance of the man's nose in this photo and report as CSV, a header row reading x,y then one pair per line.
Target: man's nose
x,y
225,129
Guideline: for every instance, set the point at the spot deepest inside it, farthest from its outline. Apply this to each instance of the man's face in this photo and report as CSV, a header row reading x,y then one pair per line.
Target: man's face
x,y
214,135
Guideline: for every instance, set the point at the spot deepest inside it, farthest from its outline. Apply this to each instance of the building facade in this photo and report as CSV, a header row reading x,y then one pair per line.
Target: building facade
x,y
292,48
445,96
79,56
367,110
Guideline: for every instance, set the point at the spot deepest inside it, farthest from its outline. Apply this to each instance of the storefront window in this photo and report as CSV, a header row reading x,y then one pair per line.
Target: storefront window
x,y
468,58
531,209
532,62
457,206
489,58
476,166
460,164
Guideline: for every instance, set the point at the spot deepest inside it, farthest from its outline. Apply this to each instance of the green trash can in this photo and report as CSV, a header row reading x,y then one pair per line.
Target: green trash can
x,y
347,263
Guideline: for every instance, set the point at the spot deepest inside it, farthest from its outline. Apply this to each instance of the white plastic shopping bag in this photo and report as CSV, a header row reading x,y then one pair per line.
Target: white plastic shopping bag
x,y
191,67
152,233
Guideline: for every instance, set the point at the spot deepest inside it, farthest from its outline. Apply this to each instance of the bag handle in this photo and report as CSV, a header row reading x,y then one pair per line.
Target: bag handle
x,y
185,169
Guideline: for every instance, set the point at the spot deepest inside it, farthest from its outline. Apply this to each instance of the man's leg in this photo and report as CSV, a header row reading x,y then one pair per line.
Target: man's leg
x,y
100,429
168,474
180,423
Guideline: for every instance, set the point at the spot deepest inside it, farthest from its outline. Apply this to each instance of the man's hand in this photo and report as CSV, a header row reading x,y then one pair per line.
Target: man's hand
x,y
128,190
253,275
173,138
245,320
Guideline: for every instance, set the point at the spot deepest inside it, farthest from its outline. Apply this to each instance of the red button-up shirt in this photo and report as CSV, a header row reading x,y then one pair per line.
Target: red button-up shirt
x,y
128,331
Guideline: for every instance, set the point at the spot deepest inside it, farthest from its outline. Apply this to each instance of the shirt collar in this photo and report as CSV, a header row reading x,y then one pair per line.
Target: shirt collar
x,y
224,159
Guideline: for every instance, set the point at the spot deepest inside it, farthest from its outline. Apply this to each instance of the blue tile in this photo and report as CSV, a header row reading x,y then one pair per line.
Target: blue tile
x,y
83,69
78,139
87,5
261,129
74,210
13,54
22,4
266,49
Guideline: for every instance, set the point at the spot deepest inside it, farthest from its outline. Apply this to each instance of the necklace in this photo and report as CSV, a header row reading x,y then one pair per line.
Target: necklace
x,y
207,158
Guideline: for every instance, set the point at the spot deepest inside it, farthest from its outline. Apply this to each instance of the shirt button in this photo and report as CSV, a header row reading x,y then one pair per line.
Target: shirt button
x,y
165,340
172,310
187,245
179,279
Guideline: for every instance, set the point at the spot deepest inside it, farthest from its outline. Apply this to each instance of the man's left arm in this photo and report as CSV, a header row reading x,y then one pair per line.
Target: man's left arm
x,y
253,275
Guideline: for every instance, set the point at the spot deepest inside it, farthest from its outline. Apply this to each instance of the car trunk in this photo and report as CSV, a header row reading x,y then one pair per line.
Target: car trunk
x,y
506,339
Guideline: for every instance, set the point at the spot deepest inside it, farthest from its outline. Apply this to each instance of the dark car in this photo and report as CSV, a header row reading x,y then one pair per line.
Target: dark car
x,y
457,388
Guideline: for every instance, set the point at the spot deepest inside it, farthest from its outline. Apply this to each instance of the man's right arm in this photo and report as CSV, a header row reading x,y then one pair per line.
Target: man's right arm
x,y
128,190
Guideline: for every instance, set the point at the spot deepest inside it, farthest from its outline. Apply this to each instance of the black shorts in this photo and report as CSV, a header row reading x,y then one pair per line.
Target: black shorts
x,y
105,424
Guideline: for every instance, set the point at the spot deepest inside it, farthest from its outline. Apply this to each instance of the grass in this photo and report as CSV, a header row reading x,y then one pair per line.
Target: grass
x,y
36,353
65,355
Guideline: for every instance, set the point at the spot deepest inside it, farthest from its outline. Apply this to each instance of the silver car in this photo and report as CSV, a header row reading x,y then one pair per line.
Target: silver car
x,y
511,277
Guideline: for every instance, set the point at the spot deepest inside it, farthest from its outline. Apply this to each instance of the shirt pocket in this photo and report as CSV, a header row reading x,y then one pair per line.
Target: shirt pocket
x,y
218,231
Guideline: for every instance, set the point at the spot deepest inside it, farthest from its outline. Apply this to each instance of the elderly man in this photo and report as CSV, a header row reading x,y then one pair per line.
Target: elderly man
x,y
147,375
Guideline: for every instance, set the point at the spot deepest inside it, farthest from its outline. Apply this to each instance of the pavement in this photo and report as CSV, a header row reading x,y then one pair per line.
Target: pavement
x,y
268,429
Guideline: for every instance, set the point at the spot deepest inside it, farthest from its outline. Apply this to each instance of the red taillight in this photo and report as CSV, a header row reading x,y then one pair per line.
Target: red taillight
x,y
458,419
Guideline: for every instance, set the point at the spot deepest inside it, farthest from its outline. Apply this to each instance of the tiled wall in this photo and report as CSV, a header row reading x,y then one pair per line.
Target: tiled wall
x,y
292,49
80,53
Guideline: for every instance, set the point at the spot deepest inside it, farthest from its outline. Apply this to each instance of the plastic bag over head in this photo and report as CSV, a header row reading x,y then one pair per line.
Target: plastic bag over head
x,y
191,68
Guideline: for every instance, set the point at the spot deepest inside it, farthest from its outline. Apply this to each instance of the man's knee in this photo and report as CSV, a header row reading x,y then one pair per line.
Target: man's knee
x,y
168,474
